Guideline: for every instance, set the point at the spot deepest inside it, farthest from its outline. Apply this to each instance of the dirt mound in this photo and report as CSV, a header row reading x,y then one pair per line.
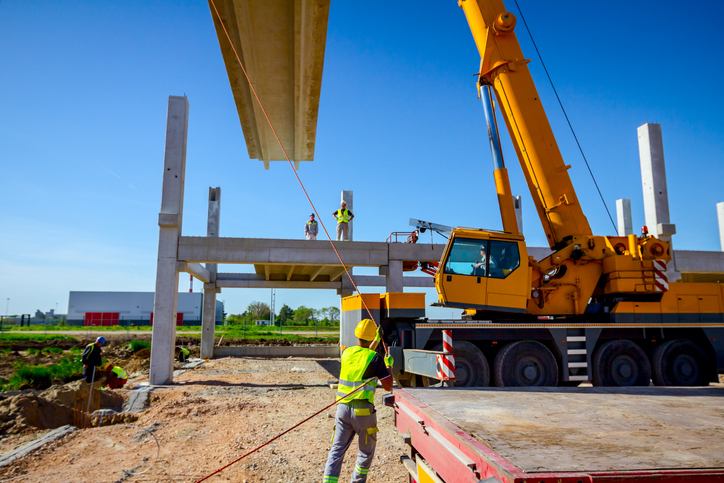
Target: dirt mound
x,y
29,412
65,395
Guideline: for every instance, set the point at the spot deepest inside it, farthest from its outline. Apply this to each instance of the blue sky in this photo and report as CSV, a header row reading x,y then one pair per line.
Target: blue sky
x,y
83,95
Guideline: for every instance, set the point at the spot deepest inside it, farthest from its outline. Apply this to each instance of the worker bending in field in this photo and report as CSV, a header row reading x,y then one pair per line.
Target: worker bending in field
x,y
91,359
343,217
116,377
182,355
361,366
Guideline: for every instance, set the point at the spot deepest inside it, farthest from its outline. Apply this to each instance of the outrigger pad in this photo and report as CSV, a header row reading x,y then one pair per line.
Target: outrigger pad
x,y
388,400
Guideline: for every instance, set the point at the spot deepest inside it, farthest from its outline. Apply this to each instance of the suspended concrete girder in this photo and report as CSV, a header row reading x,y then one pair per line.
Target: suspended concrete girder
x,y
281,45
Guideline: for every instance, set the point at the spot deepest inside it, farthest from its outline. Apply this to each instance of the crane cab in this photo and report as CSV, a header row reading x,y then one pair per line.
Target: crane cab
x,y
484,270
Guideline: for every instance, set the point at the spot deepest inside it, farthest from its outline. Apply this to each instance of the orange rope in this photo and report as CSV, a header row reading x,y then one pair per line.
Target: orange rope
x,y
292,166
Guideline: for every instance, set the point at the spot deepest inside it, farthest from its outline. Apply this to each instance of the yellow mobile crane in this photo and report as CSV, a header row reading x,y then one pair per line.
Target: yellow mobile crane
x,y
597,308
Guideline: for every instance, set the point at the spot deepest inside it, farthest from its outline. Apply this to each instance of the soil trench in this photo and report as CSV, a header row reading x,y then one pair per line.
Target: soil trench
x,y
216,412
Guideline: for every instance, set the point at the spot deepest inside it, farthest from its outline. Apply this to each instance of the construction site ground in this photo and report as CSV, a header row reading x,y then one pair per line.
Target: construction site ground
x,y
214,413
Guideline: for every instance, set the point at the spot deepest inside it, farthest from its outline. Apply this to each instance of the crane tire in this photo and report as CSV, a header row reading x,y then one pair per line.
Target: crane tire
x,y
471,366
525,363
621,363
679,362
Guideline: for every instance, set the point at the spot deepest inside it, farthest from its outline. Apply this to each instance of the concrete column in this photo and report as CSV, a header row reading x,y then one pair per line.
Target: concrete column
x,y
208,323
393,276
518,205
656,194
169,221
347,196
623,217
720,217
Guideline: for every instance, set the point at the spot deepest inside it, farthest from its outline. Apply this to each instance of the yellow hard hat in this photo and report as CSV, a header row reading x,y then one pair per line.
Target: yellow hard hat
x,y
107,366
366,330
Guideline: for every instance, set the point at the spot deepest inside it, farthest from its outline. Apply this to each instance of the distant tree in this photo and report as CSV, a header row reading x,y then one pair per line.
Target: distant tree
x,y
332,314
285,313
258,311
302,315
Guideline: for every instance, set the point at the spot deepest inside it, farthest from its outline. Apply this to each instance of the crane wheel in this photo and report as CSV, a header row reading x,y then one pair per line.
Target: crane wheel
x,y
525,363
679,363
621,363
471,366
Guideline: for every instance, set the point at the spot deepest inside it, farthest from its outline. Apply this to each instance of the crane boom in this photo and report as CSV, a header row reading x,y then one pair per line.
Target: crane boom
x,y
504,67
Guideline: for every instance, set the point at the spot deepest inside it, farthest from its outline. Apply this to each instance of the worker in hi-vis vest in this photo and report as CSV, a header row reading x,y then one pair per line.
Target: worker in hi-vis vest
x,y
343,217
116,377
361,366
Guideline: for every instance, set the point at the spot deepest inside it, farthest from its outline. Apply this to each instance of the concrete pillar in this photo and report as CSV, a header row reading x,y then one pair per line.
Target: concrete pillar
x,y
720,217
518,205
347,196
656,194
393,276
623,217
169,221
208,318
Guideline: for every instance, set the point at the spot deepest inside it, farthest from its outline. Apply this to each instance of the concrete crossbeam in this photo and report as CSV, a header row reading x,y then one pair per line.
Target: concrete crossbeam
x,y
195,269
281,44
252,280
301,252
699,261
172,197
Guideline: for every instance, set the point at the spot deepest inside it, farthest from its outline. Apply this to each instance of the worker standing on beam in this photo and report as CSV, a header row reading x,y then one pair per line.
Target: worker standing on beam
x,y
311,228
343,217
356,414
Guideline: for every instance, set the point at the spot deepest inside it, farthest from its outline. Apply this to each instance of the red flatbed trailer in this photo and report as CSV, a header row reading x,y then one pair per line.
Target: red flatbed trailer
x,y
563,435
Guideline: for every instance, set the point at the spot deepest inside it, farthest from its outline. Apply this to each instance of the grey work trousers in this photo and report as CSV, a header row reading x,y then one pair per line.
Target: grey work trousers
x,y
342,231
346,425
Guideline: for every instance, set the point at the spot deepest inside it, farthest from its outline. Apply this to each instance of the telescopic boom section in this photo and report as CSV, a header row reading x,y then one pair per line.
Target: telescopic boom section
x,y
505,69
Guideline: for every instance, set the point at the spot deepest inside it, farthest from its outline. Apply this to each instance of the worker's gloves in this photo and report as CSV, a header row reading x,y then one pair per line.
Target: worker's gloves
x,y
389,361
377,335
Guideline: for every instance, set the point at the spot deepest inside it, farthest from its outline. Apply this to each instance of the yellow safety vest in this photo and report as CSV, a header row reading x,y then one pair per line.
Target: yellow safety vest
x,y
354,364
119,372
342,216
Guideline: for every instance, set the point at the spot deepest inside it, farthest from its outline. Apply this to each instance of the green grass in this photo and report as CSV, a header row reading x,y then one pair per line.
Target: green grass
x,y
9,337
39,377
75,350
52,350
137,345
32,352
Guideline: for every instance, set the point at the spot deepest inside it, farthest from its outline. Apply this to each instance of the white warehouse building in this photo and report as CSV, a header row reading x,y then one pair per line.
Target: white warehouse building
x,y
132,308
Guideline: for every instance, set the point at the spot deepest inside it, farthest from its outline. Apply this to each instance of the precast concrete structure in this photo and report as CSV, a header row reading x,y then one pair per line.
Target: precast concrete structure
x,y
281,45
624,221
655,192
720,219
518,206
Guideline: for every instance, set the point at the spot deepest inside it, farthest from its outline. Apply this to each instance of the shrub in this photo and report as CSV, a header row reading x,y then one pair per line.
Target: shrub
x,y
53,350
39,377
137,345
32,351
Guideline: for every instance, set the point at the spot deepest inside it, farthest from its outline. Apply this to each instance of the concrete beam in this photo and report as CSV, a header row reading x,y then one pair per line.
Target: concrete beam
x,y
699,261
655,191
623,217
208,316
281,44
394,278
166,297
195,269
720,218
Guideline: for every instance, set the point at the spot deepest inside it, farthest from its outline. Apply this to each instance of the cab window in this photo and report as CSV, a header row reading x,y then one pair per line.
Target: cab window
x,y
464,255
504,258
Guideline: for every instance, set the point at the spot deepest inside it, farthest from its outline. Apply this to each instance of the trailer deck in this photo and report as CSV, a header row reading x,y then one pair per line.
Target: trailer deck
x,y
567,434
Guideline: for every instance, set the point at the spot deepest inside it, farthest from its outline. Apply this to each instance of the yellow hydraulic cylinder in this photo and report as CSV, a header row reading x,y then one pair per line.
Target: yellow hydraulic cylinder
x,y
505,69
505,201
